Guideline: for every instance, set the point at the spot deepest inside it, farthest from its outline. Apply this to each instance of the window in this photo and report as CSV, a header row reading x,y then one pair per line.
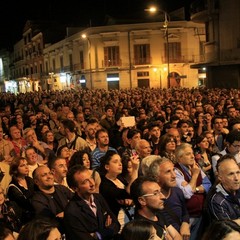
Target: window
x,y
142,54
61,63
81,59
46,66
70,60
54,65
174,52
111,56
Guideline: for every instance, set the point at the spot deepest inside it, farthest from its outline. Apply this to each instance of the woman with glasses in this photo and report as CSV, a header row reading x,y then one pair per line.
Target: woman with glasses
x,y
167,146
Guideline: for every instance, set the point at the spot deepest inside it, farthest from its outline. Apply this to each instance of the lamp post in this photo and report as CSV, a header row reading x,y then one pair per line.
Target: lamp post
x,y
153,9
165,25
84,36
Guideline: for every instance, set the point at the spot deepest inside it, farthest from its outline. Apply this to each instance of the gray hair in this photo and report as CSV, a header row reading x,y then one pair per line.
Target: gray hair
x,y
154,168
179,152
146,162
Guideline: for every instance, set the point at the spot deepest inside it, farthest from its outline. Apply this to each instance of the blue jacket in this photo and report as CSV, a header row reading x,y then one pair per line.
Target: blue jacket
x,y
223,205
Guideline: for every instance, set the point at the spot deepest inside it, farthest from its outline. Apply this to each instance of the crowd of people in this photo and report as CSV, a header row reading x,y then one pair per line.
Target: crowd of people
x,y
120,164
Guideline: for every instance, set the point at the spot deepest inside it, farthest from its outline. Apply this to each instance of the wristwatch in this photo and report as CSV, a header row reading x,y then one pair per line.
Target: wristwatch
x,y
197,190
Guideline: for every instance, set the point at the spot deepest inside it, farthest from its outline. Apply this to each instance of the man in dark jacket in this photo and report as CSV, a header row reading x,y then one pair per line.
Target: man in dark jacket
x,y
50,200
87,216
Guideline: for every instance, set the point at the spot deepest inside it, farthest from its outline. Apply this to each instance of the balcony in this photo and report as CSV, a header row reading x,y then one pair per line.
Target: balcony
x,y
112,63
142,61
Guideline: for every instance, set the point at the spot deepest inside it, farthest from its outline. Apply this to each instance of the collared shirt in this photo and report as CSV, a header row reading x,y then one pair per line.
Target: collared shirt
x,y
187,190
92,204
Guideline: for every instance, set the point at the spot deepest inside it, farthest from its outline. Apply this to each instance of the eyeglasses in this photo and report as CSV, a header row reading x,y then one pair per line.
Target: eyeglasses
x,y
157,193
236,146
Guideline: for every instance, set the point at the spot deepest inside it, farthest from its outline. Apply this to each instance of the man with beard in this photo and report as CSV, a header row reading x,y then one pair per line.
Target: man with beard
x,y
148,199
59,170
224,201
175,209
102,147
90,138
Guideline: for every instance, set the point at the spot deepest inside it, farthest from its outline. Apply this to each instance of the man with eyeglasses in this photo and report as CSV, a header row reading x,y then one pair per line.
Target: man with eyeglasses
x,y
232,147
148,199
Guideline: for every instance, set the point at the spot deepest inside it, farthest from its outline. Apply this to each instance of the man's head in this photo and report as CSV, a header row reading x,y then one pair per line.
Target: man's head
x,y
102,138
184,154
228,173
43,178
15,133
29,135
154,130
143,148
58,166
90,131
182,127
31,155
133,136
175,134
80,179
217,124
233,142
68,126
146,194
163,170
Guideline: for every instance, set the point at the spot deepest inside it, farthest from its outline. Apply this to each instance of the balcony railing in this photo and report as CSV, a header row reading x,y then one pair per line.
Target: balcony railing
x,y
142,61
112,63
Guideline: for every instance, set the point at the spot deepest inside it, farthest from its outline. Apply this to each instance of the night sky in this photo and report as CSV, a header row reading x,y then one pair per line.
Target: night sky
x,y
14,14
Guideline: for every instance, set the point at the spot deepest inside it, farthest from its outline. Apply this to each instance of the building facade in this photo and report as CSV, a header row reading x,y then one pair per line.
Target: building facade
x,y
111,57
222,47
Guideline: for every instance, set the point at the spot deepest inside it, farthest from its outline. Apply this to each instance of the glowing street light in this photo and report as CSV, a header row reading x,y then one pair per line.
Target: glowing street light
x,y
84,36
153,9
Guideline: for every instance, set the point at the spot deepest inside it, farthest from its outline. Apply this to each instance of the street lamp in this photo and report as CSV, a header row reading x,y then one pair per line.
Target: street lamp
x,y
84,36
153,9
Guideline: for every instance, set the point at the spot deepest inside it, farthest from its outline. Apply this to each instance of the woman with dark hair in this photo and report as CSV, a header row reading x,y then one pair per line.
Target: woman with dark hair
x,y
139,229
84,158
167,146
40,229
64,152
115,189
21,188
222,230
10,214
203,156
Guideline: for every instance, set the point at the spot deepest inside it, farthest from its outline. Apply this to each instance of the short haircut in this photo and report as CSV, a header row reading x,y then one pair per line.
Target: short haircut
x,y
132,132
136,189
224,158
69,124
181,149
152,125
102,130
155,166
72,183
146,162
53,160
232,136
